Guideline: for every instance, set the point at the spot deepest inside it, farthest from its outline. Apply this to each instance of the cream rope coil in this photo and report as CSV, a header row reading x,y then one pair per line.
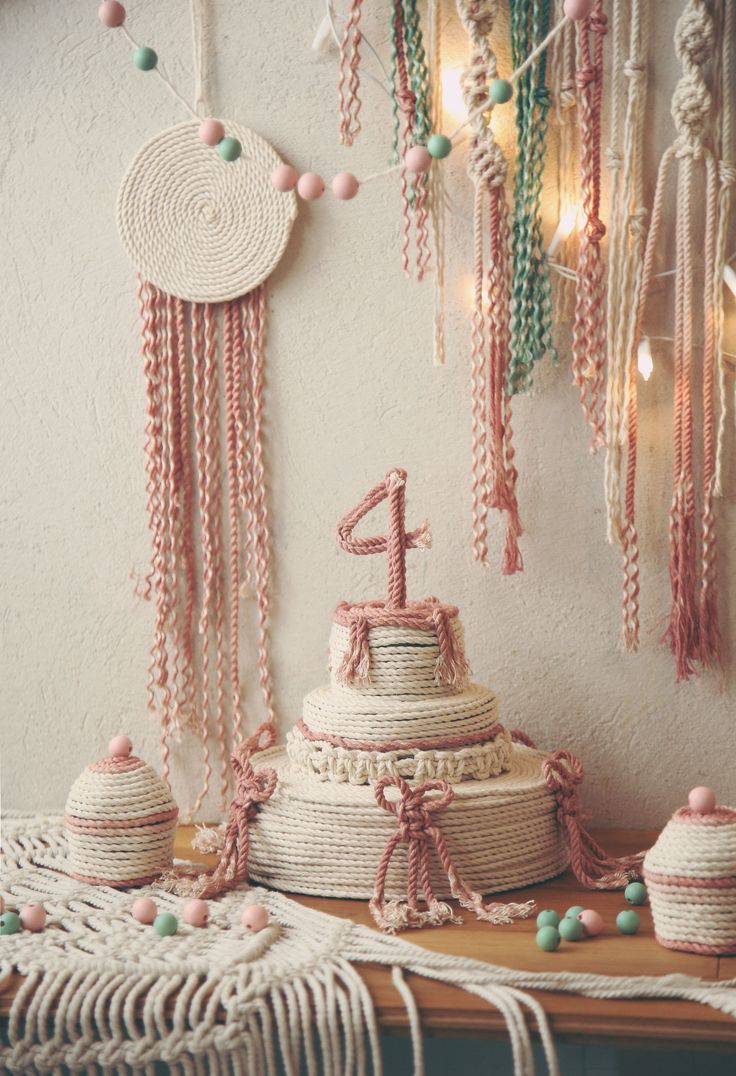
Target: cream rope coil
x,y
325,837
691,879
198,227
120,821
379,717
328,762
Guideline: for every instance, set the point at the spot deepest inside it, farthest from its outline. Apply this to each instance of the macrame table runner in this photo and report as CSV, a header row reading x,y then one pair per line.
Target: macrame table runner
x,y
102,991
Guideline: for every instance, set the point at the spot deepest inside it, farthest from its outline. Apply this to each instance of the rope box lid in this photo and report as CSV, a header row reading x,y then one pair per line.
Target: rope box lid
x,y
120,820
691,877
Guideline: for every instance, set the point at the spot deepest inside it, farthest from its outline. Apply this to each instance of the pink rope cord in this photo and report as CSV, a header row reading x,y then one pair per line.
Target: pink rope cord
x,y
172,516
419,830
232,376
591,865
348,83
252,789
438,743
589,343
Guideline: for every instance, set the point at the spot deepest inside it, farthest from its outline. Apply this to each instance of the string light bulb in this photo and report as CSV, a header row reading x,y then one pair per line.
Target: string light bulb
x,y
729,278
644,359
453,105
563,231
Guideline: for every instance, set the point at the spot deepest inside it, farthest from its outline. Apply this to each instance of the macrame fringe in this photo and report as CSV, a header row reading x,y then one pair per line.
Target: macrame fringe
x,y
194,675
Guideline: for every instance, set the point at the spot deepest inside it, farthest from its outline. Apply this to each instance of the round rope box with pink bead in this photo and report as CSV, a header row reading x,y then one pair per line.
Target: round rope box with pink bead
x,y
120,821
690,874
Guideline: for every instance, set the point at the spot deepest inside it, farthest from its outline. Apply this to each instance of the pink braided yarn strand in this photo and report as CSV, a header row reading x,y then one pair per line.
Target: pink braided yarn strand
x,y
591,864
589,342
348,82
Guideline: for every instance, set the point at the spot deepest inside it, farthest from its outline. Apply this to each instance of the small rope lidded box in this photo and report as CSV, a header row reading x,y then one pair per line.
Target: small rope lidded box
x,y
120,821
690,874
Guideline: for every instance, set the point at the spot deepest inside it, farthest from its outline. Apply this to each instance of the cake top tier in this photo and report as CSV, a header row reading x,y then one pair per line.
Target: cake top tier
x,y
361,618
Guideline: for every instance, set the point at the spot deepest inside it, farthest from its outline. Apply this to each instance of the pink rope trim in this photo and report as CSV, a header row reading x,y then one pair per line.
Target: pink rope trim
x,y
688,883
414,813
98,825
591,865
437,743
128,883
726,948
115,764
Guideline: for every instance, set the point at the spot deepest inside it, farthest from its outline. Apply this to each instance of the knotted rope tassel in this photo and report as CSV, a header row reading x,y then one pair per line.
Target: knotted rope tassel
x,y
493,474
252,789
590,863
589,336
414,813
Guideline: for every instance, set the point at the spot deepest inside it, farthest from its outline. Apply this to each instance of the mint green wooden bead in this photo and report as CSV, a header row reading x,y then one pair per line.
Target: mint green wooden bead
x,y
548,918
571,929
10,923
501,91
628,921
439,146
574,912
635,893
165,924
229,148
548,938
145,59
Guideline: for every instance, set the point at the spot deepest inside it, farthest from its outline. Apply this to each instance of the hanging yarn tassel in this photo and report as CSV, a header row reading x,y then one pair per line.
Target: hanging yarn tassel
x,y
437,189
692,630
348,82
589,336
194,676
727,178
531,304
414,810
626,249
493,471
564,102
252,789
591,864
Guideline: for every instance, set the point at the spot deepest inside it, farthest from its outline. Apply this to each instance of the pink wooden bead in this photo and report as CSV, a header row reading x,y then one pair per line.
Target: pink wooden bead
x,y
211,131
33,917
144,910
417,159
592,922
310,186
702,800
345,186
120,746
255,917
197,913
284,178
576,9
111,13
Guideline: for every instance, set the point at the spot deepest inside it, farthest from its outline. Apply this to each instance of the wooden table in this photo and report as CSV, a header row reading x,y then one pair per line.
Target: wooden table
x,y
447,1011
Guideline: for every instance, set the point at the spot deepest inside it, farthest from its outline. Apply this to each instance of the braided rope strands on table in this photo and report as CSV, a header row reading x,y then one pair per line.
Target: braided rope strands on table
x,y
625,158
493,473
531,306
413,810
96,985
204,234
120,822
589,335
691,881
692,633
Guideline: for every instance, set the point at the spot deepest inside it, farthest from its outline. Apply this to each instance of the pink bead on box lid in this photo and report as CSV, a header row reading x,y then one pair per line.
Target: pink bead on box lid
x,y
255,917
120,746
211,131
284,178
702,800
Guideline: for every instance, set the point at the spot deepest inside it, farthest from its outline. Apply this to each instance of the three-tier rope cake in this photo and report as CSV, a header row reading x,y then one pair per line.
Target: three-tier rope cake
x,y
399,779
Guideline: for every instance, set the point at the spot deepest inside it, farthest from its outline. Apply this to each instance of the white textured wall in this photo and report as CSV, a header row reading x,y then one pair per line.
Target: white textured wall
x,y
351,391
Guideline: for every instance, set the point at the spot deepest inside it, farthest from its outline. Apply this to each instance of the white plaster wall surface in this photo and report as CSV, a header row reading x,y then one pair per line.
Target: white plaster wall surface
x,y
351,391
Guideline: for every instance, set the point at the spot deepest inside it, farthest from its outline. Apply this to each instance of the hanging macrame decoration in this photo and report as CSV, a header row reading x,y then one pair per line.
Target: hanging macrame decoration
x,y
563,91
493,472
411,107
531,304
589,327
701,44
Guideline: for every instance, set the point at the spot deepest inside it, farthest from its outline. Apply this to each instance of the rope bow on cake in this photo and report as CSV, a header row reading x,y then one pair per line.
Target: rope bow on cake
x,y
591,864
414,811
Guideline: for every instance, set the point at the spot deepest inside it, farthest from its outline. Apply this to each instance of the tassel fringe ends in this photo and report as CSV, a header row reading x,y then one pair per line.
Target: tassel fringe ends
x,y
414,810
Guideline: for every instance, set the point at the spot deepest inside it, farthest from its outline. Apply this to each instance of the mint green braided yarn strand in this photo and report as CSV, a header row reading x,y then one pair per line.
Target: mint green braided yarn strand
x,y
531,318
416,61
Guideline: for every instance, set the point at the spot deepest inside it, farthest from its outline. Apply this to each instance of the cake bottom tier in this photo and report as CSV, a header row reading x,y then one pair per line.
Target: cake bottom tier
x,y
326,839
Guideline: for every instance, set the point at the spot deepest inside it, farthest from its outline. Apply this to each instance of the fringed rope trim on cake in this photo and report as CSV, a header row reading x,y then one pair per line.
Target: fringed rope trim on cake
x,y
429,615
417,829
